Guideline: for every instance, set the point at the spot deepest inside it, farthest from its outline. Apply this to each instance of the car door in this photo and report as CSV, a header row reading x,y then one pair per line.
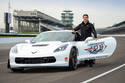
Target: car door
x,y
96,49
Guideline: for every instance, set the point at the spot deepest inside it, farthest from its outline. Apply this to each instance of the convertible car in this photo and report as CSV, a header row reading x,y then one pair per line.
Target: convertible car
x,y
59,49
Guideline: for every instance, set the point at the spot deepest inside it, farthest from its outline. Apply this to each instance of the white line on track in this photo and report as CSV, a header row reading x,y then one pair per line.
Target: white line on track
x,y
103,74
3,63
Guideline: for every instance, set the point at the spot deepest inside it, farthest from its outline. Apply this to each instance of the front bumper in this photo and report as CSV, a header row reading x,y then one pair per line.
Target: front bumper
x,y
59,61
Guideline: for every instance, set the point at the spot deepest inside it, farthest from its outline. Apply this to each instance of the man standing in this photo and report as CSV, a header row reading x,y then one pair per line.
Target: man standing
x,y
86,28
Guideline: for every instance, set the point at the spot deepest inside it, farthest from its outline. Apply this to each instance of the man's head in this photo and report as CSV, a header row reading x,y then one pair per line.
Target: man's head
x,y
85,18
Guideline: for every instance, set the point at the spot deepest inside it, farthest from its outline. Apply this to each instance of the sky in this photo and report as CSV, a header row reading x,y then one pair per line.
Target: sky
x,y
102,13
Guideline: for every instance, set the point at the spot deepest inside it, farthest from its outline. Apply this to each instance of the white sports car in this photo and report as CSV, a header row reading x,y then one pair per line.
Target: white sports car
x,y
59,49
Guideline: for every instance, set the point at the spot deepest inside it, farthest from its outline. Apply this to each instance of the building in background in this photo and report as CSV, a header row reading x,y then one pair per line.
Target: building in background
x,y
35,21
67,18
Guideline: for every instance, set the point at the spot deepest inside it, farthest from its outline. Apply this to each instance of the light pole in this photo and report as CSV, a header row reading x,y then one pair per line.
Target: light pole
x,y
9,6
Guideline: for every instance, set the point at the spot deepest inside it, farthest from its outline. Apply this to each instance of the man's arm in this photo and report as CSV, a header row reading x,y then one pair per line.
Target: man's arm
x,y
94,31
77,28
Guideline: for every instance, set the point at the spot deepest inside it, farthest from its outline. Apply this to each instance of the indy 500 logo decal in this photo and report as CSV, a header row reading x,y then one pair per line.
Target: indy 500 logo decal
x,y
96,48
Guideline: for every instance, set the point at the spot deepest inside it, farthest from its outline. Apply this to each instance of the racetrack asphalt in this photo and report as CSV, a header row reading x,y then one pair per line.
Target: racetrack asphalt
x,y
61,75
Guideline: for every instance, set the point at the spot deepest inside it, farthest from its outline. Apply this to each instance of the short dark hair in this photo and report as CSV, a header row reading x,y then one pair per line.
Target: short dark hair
x,y
85,15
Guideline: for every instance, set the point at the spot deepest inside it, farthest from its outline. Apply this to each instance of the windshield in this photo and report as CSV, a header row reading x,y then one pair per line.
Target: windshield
x,y
54,36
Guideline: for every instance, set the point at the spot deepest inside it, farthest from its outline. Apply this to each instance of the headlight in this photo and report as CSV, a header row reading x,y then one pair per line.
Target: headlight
x,y
14,49
61,48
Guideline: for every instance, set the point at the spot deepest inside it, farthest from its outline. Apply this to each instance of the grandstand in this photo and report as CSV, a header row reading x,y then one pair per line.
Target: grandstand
x,y
118,28
35,21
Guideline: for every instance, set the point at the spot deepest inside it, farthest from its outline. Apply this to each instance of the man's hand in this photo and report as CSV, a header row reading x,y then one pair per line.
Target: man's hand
x,y
96,39
73,31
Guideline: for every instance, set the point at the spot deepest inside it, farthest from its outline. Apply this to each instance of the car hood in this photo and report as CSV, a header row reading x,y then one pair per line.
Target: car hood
x,y
38,48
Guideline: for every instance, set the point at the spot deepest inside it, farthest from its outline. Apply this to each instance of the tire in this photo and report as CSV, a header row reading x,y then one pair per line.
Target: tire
x,y
73,59
16,70
8,64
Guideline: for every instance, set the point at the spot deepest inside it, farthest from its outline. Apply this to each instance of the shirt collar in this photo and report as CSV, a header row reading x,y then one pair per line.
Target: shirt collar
x,y
84,23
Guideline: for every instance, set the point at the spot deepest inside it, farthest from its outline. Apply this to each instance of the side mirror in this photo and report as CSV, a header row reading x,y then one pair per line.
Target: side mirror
x,y
27,41
88,39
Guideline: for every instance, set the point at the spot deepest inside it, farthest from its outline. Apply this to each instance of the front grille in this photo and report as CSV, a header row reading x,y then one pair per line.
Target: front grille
x,y
35,60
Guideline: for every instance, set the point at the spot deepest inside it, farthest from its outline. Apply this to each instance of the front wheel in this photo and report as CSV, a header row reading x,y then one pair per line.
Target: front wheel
x,y
16,70
73,59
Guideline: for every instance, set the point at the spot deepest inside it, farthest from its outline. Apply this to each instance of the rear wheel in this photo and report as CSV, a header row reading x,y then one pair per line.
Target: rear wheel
x,y
73,59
